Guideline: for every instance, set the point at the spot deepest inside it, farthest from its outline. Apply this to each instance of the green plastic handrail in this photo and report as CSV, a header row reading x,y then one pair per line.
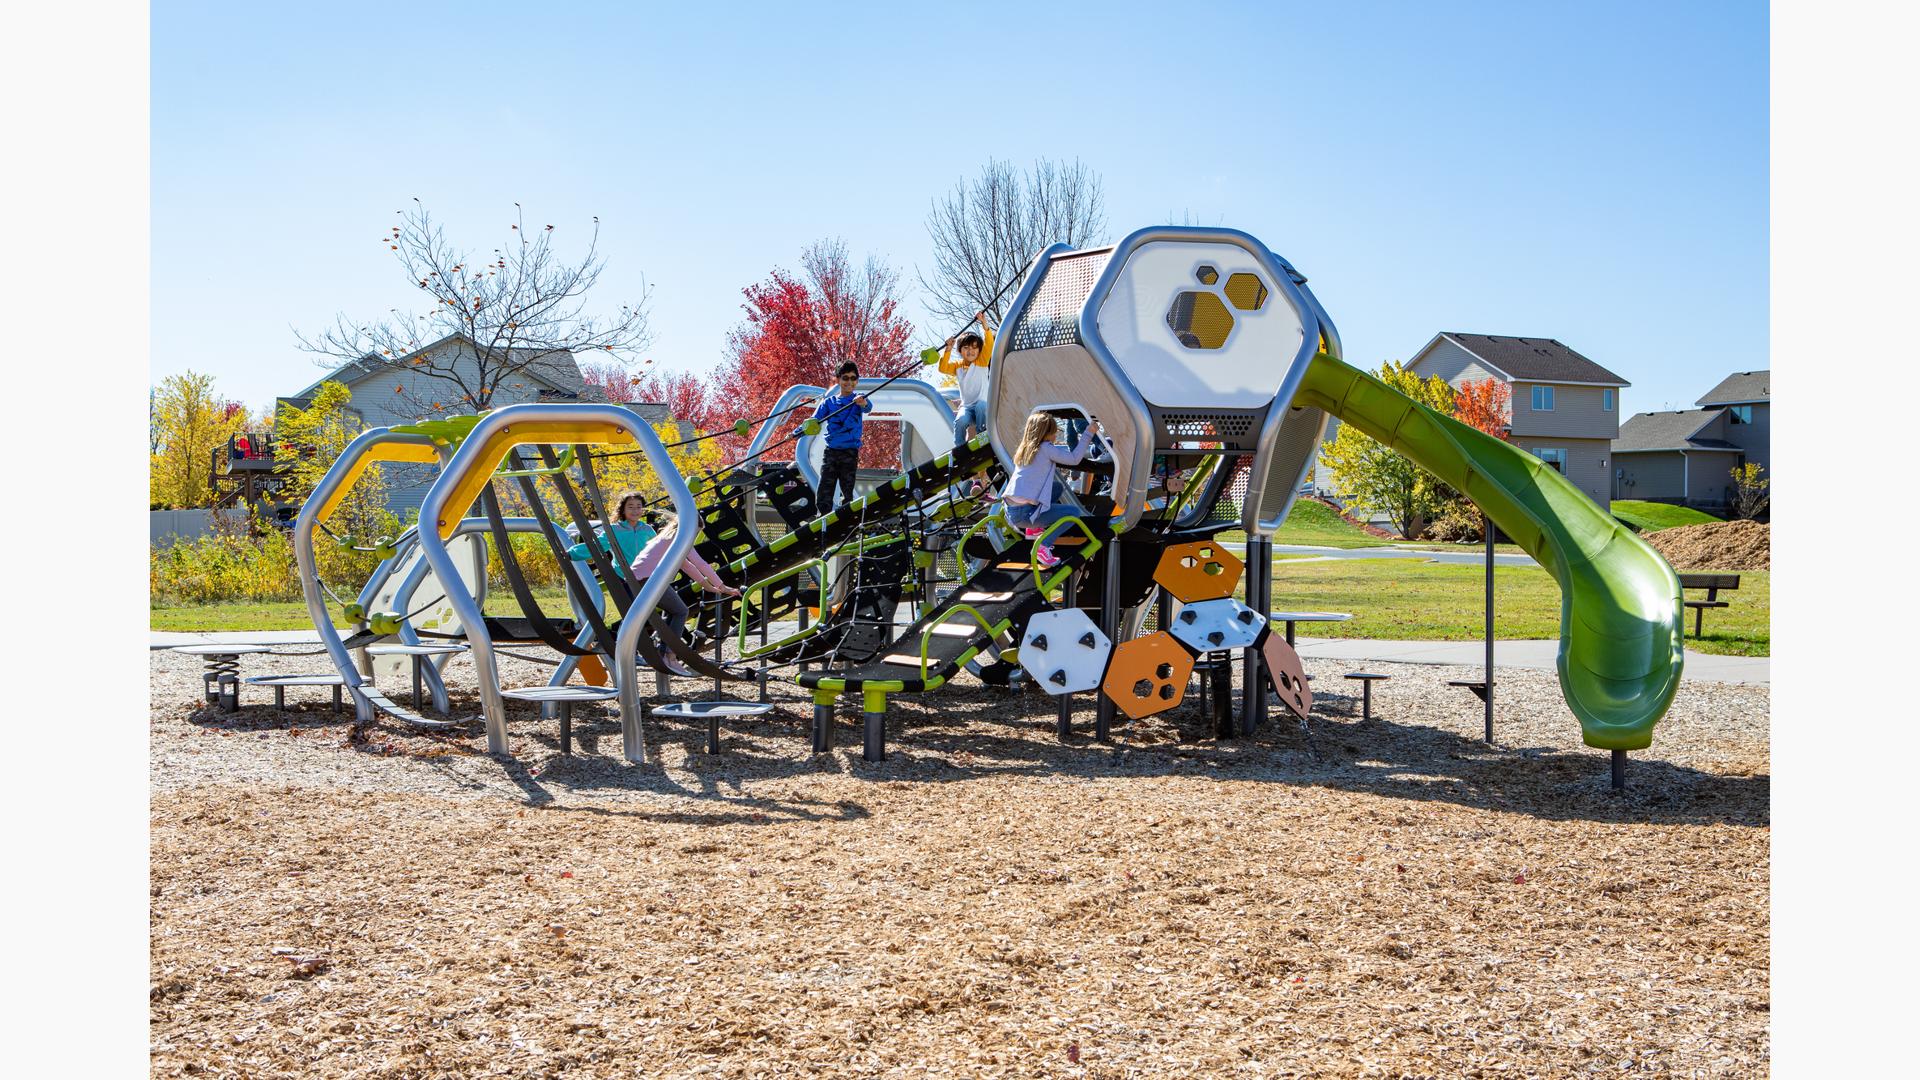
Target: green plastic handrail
x,y
565,463
1092,540
761,586
926,636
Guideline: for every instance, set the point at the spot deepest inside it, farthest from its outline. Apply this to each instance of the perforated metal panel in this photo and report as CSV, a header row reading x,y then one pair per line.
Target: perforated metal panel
x,y
1298,440
1053,318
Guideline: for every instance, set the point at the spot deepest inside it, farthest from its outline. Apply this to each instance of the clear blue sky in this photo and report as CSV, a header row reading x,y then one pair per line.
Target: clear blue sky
x,y
1595,173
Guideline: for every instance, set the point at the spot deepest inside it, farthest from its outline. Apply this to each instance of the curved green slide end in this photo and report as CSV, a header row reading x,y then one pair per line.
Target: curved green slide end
x,y
1621,620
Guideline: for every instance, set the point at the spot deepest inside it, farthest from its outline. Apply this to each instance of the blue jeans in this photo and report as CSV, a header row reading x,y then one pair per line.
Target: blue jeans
x,y
974,416
1022,516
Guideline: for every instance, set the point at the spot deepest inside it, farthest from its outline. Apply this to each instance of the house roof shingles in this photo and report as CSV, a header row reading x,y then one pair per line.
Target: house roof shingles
x,y
1738,388
1669,431
1535,359
558,369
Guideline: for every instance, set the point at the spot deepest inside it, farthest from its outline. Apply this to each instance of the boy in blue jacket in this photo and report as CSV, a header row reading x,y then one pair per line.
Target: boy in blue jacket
x,y
842,414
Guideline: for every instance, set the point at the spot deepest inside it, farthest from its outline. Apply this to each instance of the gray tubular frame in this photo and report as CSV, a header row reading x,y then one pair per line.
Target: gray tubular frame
x,y
1282,413
1003,340
434,509
303,527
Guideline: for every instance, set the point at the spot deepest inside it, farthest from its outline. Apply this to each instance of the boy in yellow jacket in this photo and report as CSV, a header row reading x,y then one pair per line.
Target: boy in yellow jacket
x,y
971,371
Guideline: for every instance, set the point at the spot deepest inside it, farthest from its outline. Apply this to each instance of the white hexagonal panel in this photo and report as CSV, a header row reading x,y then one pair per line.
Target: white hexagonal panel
x,y
1212,625
1064,651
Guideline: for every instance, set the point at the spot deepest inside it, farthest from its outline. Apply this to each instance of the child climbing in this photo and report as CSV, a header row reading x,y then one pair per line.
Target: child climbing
x,y
842,414
671,612
974,376
625,536
1029,492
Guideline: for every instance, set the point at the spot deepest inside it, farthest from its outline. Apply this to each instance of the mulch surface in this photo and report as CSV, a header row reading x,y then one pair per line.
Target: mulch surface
x,y
1396,899
1716,545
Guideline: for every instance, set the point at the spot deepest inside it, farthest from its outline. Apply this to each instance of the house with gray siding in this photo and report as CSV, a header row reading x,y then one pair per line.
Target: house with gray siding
x,y
1565,408
1747,398
1685,456
386,393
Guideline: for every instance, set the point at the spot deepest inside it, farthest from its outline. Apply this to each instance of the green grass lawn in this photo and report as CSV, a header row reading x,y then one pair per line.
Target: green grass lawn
x,y
293,615
1405,599
1313,522
1652,516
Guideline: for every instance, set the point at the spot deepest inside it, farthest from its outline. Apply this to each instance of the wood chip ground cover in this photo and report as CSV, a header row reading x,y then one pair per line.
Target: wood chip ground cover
x,y
1398,900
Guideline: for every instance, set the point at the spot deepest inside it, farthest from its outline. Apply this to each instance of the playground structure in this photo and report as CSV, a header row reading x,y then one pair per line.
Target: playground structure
x,y
1214,371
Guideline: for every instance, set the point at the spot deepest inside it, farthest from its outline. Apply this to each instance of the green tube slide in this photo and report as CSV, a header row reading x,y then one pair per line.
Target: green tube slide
x,y
1621,620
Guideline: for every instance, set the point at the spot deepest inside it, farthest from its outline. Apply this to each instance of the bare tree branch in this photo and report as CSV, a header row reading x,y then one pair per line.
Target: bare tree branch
x,y
985,231
511,315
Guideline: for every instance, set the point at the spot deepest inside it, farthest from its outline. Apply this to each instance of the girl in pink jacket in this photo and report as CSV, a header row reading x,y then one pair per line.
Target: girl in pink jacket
x,y
697,568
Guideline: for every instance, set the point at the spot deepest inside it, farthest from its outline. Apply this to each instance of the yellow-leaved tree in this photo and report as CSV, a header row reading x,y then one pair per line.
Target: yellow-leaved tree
x,y
316,435
1377,480
187,423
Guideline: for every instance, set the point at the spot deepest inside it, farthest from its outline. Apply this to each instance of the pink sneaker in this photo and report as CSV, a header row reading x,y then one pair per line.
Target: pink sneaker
x,y
1044,555
1033,531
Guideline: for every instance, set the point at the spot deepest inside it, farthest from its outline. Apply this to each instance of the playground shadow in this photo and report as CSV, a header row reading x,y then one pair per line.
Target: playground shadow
x,y
979,735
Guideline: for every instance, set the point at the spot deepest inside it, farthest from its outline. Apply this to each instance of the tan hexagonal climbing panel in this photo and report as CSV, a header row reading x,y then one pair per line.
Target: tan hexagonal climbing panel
x,y
1148,675
1200,570
1289,678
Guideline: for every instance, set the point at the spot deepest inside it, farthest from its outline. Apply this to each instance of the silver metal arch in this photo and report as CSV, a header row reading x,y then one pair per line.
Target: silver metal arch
x,y
434,509
304,524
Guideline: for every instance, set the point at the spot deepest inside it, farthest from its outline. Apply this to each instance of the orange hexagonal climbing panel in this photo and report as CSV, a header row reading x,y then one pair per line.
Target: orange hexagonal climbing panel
x,y
1201,570
1148,675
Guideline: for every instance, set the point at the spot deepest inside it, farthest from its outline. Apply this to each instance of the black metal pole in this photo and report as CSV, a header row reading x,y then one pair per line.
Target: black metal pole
x,y
1063,726
1110,624
1253,690
1486,528
1619,770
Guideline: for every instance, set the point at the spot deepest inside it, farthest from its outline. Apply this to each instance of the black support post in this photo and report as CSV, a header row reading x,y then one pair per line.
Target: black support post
x,y
1486,529
1253,690
1619,770
1110,625
1063,725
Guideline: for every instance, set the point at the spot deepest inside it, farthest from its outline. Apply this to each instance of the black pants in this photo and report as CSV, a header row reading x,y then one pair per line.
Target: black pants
x,y
837,467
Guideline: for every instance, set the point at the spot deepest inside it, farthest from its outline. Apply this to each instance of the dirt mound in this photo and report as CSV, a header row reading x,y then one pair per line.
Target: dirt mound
x,y
1718,545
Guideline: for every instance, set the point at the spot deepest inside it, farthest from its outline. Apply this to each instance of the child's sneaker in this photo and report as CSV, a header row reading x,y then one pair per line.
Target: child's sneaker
x,y
1044,555
1033,531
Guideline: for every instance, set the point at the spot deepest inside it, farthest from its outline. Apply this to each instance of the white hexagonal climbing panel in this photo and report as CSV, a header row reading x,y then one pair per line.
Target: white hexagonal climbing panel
x,y
1064,651
1212,625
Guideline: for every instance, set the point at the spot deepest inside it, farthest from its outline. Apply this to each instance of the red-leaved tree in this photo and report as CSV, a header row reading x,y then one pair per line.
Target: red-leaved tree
x,y
683,393
1486,404
800,328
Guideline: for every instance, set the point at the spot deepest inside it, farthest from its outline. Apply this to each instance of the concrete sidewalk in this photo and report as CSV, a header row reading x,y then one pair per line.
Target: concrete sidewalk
x,y
1534,655
1467,557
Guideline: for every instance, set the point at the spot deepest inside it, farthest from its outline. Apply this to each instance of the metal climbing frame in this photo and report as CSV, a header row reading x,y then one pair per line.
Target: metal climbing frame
x,y
466,477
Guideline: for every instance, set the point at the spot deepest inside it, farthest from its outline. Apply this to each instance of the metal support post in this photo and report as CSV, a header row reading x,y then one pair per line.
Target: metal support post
x,y
1619,770
1253,691
823,701
1486,529
1110,625
875,746
1063,726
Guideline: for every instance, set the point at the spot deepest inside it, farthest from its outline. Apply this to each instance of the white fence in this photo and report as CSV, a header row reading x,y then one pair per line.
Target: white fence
x,y
168,527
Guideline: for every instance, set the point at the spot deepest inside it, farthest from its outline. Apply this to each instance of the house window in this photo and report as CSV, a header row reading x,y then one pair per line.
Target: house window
x,y
1742,414
1543,399
1606,399
1552,456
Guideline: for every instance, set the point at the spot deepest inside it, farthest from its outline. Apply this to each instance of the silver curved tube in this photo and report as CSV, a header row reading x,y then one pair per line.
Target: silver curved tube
x,y
434,508
335,480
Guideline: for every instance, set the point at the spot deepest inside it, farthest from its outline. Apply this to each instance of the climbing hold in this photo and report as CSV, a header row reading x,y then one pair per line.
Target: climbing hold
x,y
1039,641
1087,641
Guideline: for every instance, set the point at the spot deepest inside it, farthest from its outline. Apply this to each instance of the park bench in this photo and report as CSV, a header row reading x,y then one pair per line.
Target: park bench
x,y
1713,583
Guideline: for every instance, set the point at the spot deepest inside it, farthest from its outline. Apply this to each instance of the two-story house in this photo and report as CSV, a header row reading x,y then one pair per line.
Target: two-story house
x,y
1565,408
1747,398
387,393
1686,456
